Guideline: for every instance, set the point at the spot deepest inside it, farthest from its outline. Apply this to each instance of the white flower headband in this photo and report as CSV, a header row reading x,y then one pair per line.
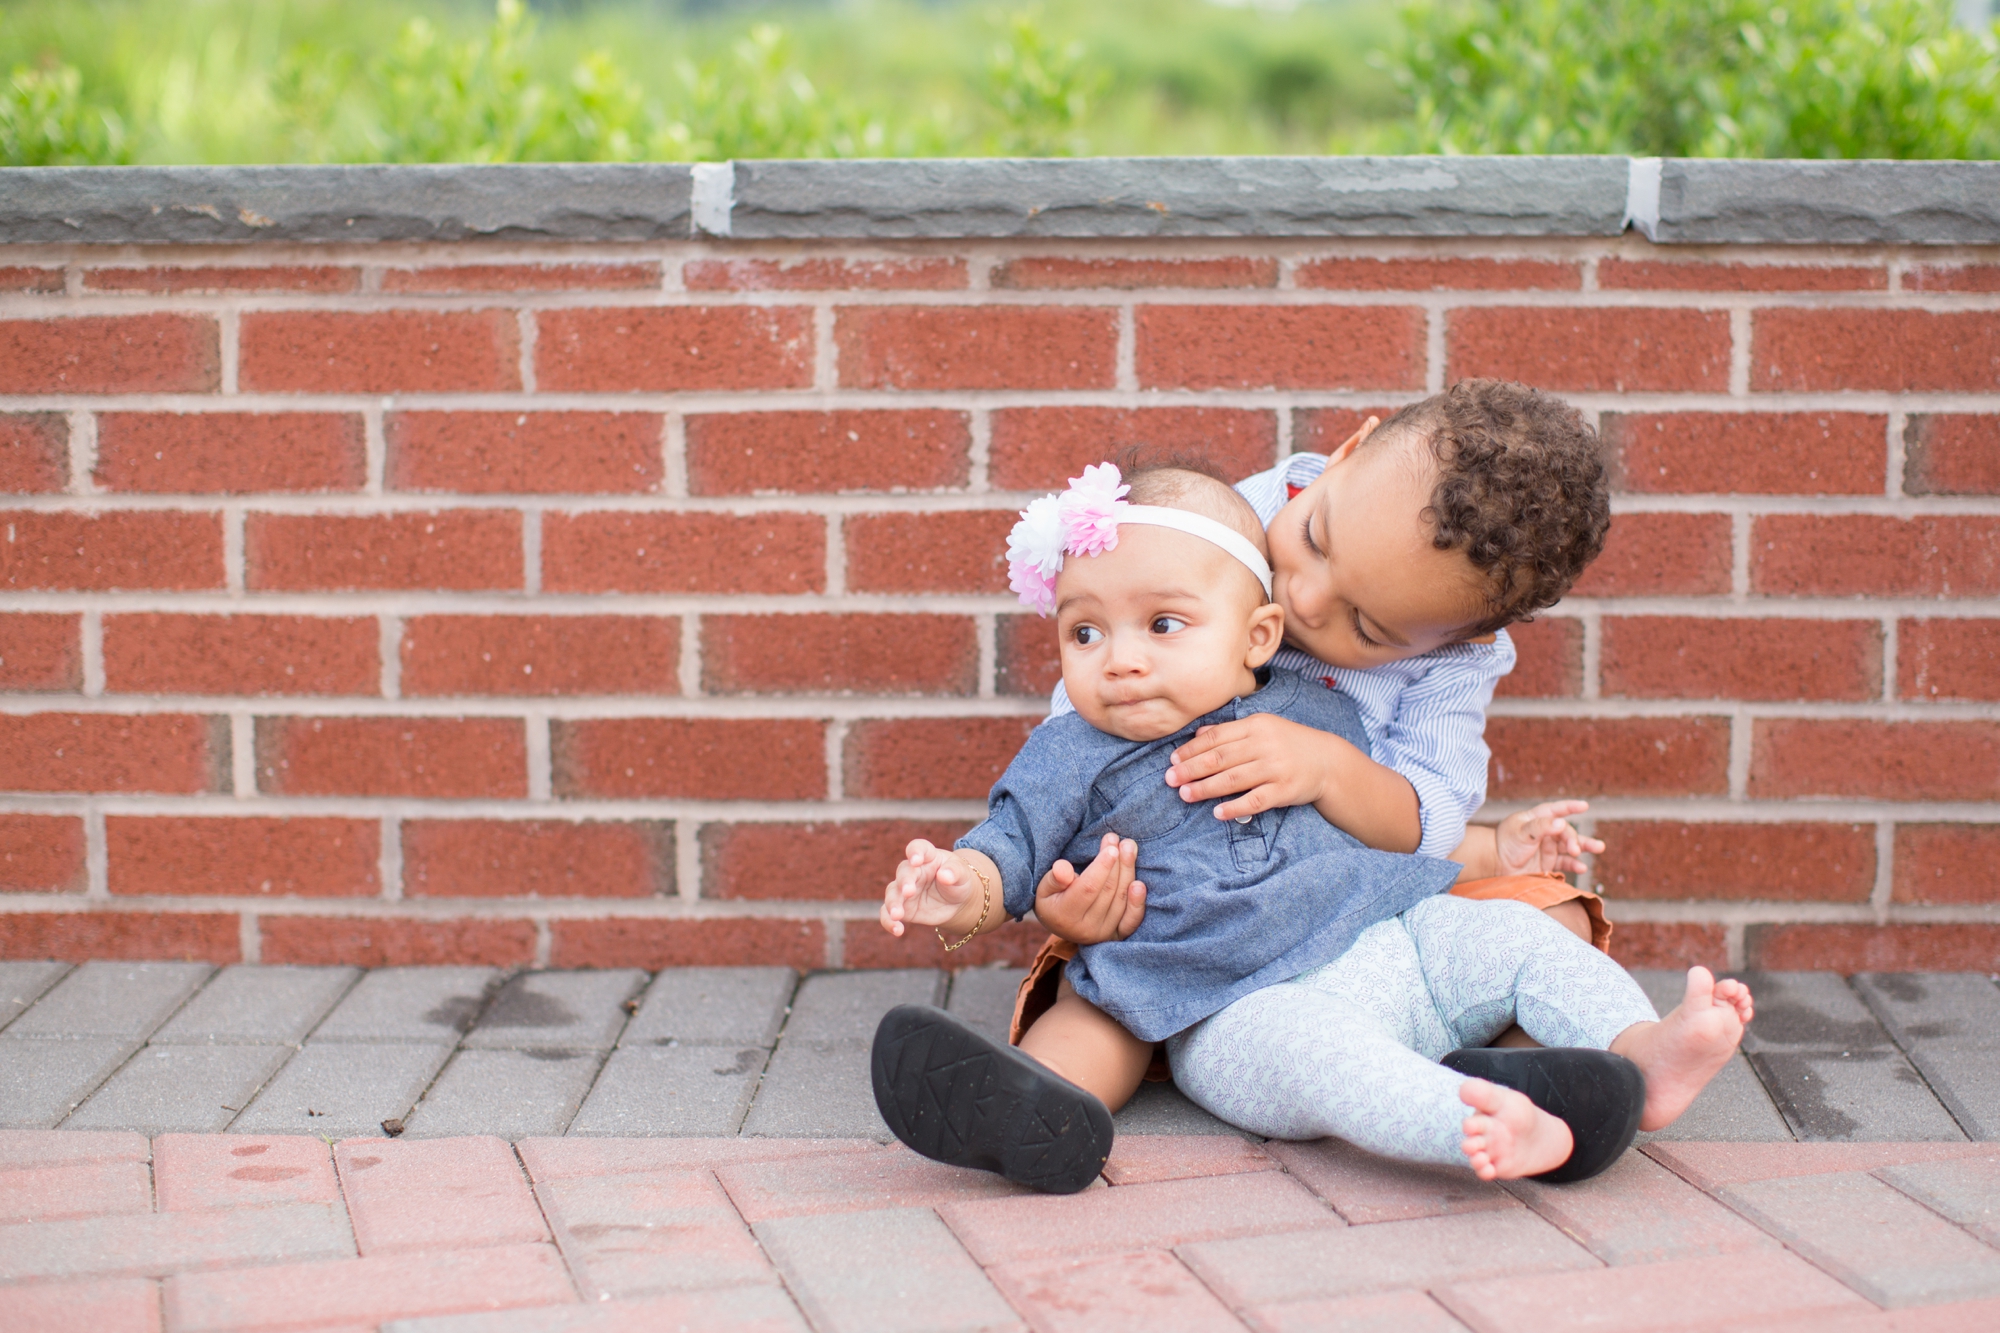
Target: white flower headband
x,y
1084,520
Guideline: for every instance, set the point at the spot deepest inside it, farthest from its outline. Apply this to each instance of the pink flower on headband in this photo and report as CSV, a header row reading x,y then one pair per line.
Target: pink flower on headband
x,y
1090,510
1082,520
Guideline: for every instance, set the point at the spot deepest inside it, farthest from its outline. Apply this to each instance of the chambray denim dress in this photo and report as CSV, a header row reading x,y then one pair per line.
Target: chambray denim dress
x,y
1230,908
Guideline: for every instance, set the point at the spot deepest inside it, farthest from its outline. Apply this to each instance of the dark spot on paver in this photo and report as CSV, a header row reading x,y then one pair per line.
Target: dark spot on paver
x,y
250,1150
1931,1031
457,1012
1908,1075
264,1175
549,1054
523,1008
745,1062
363,1163
1801,1096
1782,1022
1901,987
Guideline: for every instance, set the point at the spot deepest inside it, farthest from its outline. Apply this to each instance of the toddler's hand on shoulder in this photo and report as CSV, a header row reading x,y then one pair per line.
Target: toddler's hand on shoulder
x,y
930,886
1264,761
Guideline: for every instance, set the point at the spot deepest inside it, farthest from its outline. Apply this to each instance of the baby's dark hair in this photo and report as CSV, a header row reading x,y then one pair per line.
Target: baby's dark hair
x,y
1520,489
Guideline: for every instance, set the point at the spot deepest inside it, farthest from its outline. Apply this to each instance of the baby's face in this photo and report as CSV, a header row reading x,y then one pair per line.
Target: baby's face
x,y
1354,568
1159,631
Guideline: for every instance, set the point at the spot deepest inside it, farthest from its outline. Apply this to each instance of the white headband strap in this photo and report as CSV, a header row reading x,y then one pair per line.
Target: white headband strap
x,y
1204,527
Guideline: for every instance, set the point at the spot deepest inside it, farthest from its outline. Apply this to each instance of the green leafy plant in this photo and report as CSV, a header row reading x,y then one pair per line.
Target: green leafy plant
x,y
45,121
1041,89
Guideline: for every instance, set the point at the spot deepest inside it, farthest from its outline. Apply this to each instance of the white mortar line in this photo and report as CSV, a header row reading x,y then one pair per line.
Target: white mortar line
x,y
541,772
988,632
690,658
836,556
96,855
1587,277
375,446
243,754
1739,353
228,323
389,649
1891,647
826,352
1740,526
249,939
233,577
1732,943
1593,654
91,635
82,451
72,280
979,452
544,941
687,859
1435,362
371,278
528,333
673,456
1287,419
1884,892
531,549
1126,357
836,943
1898,454
389,867
1741,736
979,271
836,745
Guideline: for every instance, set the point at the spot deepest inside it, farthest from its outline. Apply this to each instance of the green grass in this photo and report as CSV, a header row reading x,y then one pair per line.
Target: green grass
x,y
186,81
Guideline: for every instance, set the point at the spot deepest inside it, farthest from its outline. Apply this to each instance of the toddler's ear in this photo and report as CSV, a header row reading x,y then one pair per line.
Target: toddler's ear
x,y
1267,634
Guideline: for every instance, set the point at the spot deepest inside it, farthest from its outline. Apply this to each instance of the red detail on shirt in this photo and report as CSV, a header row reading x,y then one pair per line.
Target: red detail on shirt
x,y
1291,491
1329,682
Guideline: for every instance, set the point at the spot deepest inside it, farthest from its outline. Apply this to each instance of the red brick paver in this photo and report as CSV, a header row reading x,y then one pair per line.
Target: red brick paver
x,y
193,1171
436,1194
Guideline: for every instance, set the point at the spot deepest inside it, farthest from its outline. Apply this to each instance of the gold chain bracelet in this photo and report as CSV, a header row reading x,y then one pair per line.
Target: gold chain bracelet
x,y
985,906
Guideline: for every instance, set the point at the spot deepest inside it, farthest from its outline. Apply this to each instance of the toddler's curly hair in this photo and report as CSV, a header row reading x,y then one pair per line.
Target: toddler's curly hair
x,y
1520,489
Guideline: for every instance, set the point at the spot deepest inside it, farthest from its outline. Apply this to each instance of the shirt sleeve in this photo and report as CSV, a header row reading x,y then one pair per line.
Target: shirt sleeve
x,y
1436,738
1033,813
1059,703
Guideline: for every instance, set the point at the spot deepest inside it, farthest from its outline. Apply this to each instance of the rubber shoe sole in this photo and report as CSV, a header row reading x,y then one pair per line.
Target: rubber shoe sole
x,y
1597,1094
957,1096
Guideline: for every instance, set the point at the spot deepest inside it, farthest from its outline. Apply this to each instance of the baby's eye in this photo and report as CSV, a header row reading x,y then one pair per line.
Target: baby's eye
x,y
1086,635
1167,625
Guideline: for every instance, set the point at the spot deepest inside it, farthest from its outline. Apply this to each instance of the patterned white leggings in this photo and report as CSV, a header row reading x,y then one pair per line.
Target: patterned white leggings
x,y
1350,1049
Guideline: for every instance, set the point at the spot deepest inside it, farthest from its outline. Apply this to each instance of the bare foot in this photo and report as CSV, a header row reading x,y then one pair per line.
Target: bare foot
x,y
1508,1136
1683,1051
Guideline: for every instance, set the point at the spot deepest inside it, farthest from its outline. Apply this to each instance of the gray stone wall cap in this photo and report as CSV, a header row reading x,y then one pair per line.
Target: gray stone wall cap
x,y
1716,202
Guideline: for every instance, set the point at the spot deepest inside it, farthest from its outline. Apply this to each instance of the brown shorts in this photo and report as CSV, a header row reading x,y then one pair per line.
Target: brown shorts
x,y
1038,988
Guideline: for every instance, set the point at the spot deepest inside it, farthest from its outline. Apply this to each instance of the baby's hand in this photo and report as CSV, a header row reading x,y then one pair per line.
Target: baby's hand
x,y
1103,903
930,886
1541,840
1263,760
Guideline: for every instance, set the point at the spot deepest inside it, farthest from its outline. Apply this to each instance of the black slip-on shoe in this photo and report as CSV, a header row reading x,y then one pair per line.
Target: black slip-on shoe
x,y
1597,1094
957,1096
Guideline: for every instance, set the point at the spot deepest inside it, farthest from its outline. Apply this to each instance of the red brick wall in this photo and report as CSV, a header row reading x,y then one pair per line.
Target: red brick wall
x,y
633,604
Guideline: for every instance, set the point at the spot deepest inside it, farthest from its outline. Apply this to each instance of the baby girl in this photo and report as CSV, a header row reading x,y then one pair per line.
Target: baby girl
x,y
1166,624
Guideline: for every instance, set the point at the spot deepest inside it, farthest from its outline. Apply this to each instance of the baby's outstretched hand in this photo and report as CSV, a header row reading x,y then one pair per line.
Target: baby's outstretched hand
x,y
1541,841
930,886
1102,902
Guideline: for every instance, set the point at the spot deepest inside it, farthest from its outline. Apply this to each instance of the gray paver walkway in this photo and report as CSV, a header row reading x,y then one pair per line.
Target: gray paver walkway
x,y
759,1053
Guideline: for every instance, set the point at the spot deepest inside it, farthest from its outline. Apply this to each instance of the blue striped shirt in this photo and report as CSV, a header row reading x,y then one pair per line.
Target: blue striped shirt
x,y
1425,716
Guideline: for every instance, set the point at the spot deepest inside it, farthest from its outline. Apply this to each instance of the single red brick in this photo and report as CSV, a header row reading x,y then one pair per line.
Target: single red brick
x,y
163,653
43,854
1321,430
1656,555
793,1185
803,453
102,752
374,941
1608,349
1279,347
79,937
461,550
1441,275
1803,351
823,275
1947,863
166,453
295,857
1039,447
1871,554
1753,453
857,653
436,1194
105,552
1027,662
958,550
931,758
22,278
1050,272
438,758
34,452
41,651
223,278
1656,275
1139,1292
708,759
536,858
1013,944
656,942
1952,454
349,1294
1693,657
1670,944
541,655
1948,659
72,1190
194,1172
1805,862
664,349
1627,756
977,347
1963,946
111,354
735,553
1952,278
851,859
1876,761
524,453
384,351
523,278
1143,1159
1548,660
